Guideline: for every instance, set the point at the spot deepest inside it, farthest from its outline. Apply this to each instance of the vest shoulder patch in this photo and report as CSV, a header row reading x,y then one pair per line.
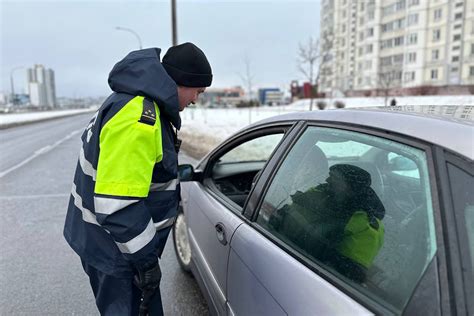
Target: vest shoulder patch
x,y
148,113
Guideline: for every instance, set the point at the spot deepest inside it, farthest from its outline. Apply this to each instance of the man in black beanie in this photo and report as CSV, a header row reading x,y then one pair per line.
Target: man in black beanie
x,y
125,193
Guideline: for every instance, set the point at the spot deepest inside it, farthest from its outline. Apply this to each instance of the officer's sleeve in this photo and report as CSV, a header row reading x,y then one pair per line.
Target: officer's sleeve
x,y
128,152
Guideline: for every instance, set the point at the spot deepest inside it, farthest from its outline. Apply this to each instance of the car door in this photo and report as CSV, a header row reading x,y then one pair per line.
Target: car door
x,y
214,206
298,256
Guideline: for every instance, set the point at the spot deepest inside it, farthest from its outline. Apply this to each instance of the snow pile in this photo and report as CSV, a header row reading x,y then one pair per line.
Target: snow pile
x,y
8,120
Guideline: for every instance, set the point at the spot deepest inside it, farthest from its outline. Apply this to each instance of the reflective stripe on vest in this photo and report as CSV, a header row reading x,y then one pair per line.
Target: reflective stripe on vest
x,y
165,186
109,206
86,166
139,241
165,223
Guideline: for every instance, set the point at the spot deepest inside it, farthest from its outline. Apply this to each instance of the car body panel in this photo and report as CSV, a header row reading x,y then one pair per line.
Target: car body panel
x,y
296,288
202,213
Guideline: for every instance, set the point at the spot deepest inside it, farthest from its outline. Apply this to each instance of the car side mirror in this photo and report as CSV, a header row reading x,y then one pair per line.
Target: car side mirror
x,y
186,173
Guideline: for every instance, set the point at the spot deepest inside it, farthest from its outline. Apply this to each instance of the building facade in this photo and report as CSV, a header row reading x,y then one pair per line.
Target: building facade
x,y
376,47
41,86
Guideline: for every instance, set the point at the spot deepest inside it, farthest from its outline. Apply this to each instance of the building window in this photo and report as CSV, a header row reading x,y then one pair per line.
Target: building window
x,y
472,49
460,4
412,39
361,20
456,47
362,6
436,35
471,71
458,16
435,54
386,61
413,2
455,59
437,14
398,59
361,51
343,13
370,32
371,15
434,74
457,37
411,57
412,19
369,48
368,64
454,69
409,76
361,36
457,26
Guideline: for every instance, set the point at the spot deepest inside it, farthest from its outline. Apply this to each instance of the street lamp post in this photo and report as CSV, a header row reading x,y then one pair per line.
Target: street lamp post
x,y
131,31
174,28
13,84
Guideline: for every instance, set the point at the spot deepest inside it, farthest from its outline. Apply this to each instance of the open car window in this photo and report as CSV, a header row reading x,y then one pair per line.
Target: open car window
x,y
234,172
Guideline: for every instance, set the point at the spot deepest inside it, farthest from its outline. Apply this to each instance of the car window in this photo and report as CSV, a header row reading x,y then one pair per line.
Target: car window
x,y
402,166
347,211
258,149
462,190
234,172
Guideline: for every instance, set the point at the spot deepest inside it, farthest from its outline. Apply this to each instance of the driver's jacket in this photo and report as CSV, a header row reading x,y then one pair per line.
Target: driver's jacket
x,y
125,193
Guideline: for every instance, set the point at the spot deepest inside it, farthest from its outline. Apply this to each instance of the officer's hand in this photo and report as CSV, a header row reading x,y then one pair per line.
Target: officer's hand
x,y
148,279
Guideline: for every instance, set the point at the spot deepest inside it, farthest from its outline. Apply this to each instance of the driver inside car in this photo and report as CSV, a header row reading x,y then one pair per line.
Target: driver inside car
x,y
338,222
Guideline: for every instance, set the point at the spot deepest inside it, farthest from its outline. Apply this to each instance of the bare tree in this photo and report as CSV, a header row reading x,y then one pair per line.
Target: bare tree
x,y
247,77
386,81
311,58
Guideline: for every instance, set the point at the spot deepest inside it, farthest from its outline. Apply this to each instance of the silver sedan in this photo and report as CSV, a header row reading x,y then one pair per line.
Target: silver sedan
x,y
338,212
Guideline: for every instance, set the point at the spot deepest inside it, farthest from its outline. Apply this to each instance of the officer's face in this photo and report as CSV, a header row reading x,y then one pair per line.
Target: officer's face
x,y
188,95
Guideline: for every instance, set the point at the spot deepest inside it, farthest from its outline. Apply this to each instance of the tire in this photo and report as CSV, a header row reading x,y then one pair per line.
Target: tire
x,y
182,248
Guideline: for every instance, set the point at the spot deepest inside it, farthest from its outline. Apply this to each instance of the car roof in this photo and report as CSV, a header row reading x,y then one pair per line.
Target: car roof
x,y
451,127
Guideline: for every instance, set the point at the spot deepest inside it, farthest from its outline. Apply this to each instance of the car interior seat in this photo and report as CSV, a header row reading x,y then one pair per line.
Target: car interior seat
x,y
312,170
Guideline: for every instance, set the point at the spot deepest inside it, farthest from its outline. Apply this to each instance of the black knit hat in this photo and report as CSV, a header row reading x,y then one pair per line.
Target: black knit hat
x,y
188,66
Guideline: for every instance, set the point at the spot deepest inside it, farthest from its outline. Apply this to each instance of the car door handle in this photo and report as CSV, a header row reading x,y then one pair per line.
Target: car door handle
x,y
220,231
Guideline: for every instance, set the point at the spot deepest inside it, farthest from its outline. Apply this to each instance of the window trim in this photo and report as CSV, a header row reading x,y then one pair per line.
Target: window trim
x,y
369,302
454,233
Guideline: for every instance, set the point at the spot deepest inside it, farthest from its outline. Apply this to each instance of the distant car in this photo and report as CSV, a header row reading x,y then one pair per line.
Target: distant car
x,y
367,211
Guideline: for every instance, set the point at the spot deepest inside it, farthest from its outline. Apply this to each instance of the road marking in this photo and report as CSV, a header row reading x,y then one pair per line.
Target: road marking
x,y
35,196
39,152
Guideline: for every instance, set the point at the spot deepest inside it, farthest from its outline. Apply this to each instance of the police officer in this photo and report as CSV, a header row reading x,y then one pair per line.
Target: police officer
x,y
126,191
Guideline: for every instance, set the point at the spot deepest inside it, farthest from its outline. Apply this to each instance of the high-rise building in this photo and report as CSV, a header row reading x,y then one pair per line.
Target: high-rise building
x,y
402,46
41,86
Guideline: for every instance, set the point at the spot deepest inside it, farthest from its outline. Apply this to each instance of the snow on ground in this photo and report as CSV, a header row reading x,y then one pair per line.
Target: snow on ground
x,y
380,101
28,117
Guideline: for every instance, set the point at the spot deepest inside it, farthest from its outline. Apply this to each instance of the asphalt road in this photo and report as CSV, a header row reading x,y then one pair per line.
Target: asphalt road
x,y
39,273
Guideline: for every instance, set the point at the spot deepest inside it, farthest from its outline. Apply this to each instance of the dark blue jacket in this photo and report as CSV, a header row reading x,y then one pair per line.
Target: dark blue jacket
x,y
125,192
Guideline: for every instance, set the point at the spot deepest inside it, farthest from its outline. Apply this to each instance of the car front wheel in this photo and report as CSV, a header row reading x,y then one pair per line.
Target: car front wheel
x,y
181,242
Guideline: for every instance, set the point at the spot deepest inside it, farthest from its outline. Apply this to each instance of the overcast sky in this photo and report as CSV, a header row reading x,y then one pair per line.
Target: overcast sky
x,y
78,40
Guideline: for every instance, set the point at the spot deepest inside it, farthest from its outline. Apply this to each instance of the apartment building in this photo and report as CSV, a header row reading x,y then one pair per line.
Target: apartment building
x,y
41,86
374,47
